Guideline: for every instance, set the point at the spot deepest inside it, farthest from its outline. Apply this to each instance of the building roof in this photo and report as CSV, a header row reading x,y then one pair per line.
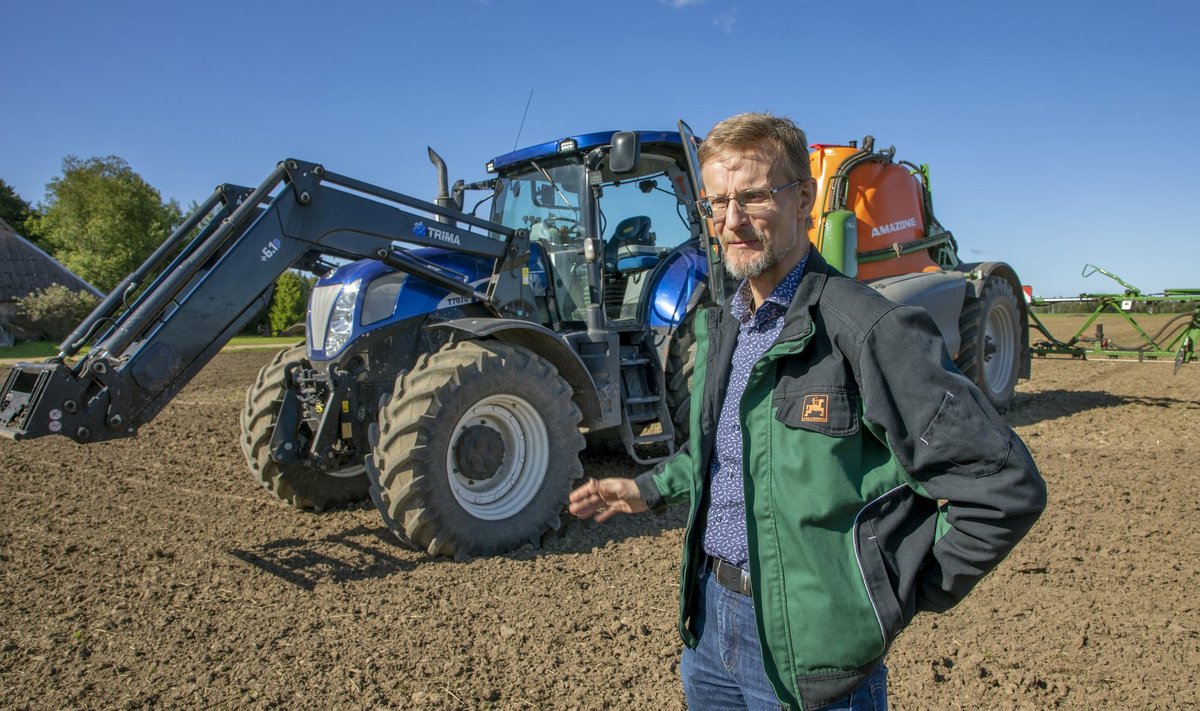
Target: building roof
x,y
24,269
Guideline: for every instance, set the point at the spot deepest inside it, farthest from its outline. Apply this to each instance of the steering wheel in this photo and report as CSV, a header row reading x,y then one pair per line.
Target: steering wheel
x,y
563,228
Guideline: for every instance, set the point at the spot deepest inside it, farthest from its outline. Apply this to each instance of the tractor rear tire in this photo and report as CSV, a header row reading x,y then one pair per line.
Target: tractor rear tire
x,y
990,354
476,450
301,486
681,364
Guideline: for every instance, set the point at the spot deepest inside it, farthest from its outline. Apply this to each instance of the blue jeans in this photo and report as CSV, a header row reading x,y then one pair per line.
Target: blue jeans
x,y
725,670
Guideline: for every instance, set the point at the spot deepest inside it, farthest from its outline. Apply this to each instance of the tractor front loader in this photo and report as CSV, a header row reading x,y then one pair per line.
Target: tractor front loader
x,y
160,326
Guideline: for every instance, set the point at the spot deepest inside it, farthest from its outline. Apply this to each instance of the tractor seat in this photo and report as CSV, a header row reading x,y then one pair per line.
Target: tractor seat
x,y
631,247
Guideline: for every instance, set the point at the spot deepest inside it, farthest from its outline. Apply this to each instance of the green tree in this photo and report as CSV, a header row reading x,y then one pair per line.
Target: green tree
x,y
102,220
289,302
53,312
13,209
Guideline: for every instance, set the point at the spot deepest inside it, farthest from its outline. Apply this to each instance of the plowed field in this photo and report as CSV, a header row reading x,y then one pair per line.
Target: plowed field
x,y
154,573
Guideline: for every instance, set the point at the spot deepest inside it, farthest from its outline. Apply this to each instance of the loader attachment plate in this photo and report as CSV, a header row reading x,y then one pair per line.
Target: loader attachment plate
x,y
14,404
41,399
25,384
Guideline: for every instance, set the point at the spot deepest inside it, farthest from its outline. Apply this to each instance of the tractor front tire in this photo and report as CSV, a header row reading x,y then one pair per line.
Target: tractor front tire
x,y
990,354
476,450
301,486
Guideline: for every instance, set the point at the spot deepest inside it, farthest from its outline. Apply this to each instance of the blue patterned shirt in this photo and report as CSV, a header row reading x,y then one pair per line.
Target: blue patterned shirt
x,y
725,534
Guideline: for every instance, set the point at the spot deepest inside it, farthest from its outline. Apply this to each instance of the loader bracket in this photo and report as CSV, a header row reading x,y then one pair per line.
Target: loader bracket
x,y
40,399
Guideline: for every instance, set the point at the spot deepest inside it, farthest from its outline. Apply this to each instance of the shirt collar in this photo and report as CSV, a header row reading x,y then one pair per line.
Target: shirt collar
x,y
781,295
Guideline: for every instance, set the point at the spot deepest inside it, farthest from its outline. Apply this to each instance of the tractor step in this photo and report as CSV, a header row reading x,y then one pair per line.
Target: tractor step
x,y
642,390
640,418
653,438
643,400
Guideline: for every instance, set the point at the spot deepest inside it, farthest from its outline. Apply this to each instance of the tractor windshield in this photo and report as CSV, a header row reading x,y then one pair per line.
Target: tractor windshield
x,y
547,199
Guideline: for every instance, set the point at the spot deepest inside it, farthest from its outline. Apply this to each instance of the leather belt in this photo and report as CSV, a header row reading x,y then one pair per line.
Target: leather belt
x,y
729,576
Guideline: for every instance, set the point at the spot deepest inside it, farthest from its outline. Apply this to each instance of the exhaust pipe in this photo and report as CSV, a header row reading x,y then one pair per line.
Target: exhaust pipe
x,y
443,198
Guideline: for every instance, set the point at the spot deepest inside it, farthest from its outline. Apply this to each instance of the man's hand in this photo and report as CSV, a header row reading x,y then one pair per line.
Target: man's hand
x,y
605,498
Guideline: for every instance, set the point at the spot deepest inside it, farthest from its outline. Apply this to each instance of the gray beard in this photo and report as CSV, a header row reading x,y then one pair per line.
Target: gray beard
x,y
749,270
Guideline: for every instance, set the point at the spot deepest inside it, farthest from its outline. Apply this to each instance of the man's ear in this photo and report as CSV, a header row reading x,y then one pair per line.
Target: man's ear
x,y
808,198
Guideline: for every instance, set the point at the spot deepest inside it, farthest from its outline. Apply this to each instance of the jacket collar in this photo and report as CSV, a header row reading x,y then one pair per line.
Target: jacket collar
x,y
798,320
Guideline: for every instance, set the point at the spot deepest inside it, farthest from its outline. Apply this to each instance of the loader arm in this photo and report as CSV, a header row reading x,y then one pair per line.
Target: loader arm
x,y
162,325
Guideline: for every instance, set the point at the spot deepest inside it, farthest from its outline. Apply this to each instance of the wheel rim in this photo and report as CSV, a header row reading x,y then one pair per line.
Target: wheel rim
x,y
348,472
514,476
1000,348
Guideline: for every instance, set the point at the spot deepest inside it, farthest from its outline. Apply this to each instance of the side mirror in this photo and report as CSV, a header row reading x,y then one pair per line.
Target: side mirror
x,y
625,154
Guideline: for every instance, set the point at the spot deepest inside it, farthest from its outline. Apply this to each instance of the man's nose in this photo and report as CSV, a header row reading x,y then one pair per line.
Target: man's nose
x,y
734,216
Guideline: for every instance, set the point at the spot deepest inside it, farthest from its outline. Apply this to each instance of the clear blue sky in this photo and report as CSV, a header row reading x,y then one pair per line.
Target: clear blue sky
x,y
1058,133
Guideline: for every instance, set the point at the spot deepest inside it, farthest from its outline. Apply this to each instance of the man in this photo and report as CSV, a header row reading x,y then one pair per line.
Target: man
x,y
842,474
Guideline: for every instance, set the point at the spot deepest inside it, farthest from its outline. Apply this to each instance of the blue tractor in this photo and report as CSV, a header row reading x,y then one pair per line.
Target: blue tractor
x,y
453,363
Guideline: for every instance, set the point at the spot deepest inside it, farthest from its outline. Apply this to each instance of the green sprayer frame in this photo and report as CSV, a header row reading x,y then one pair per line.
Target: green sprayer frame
x,y
1175,339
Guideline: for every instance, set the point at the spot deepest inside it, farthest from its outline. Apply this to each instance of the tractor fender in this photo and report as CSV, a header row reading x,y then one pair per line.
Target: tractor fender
x,y
543,342
941,294
977,273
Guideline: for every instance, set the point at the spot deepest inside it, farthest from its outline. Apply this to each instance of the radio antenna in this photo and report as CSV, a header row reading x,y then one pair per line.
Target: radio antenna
x,y
522,127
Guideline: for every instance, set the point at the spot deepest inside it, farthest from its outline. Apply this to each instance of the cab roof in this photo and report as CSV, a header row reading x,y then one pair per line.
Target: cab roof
x,y
581,143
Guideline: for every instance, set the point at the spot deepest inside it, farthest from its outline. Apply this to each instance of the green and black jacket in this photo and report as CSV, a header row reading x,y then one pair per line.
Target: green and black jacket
x,y
879,481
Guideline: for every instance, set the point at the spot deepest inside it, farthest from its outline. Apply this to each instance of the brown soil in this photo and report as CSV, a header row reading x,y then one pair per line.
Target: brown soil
x,y
154,573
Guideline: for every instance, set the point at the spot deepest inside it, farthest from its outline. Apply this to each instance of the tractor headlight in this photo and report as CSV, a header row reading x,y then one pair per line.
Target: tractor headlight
x,y
341,318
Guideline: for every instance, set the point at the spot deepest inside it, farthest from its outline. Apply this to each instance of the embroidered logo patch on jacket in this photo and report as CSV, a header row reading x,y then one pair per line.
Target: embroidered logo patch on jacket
x,y
816,408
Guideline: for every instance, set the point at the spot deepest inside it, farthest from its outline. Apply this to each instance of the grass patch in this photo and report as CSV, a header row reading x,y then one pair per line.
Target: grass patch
x,y
29,350
38,350
278,342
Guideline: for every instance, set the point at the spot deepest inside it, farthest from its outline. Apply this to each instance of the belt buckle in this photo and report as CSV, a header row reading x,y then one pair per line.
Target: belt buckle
x,y
730,577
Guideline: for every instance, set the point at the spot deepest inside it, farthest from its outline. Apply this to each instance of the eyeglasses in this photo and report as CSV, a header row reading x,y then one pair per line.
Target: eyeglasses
x,y
750,201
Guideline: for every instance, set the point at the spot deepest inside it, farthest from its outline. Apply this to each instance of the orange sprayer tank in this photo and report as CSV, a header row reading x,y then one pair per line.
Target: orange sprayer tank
x,y
887,201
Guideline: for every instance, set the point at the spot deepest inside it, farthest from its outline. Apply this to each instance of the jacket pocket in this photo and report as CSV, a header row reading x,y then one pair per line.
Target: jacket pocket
x,y
962,434
893,538
828,411
881,585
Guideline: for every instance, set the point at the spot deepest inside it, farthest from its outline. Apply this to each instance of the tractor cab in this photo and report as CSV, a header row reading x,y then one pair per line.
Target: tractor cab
x,y
604,212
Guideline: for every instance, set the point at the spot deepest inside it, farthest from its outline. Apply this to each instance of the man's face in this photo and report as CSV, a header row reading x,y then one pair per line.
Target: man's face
x,y
763,246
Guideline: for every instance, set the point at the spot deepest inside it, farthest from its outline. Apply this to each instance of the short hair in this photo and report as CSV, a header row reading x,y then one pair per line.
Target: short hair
x,y
753,129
